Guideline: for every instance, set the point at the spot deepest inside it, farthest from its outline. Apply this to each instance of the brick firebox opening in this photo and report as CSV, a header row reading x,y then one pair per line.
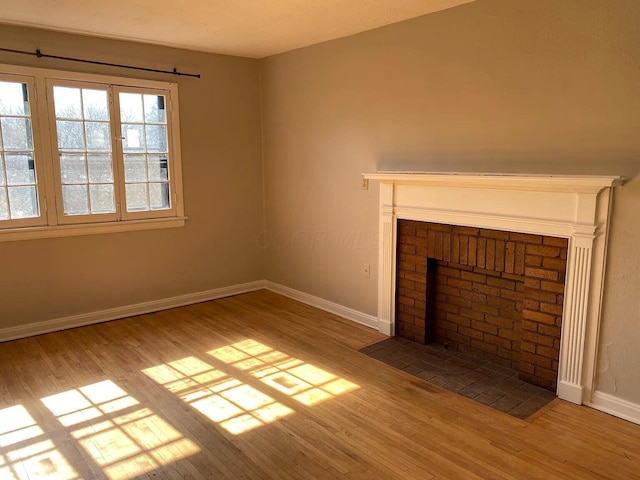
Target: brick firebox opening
x,y
492,293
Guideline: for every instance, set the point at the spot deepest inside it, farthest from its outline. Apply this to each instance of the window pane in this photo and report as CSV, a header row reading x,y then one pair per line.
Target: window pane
x,y
159,196
96,104
98,136
16,133
156,138
4,205
75,199
20,169
67,102
131,107
70,135
13,99
102,199
154,111
158,168
23,202
133,140
100,170
1,171
73,168
135,168
137,197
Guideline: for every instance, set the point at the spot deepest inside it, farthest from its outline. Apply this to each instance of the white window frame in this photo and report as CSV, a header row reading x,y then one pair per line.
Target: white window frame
x,y
52,222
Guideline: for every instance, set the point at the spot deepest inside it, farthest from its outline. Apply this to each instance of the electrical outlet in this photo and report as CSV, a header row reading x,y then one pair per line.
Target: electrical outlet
x,y
365,184
367,270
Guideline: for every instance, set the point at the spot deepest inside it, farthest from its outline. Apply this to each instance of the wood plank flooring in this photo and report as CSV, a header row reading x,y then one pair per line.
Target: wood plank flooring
x,y
258,386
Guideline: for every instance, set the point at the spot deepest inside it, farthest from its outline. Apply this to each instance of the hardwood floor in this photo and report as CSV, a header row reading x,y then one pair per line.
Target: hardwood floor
x,y
258,386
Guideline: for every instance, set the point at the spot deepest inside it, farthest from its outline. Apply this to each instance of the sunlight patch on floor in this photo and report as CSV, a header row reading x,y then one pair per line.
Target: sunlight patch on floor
x,y
26,453
302,381
123,438
225,400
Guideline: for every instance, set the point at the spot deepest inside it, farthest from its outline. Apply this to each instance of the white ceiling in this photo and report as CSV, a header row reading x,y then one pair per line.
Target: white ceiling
x,y
250,28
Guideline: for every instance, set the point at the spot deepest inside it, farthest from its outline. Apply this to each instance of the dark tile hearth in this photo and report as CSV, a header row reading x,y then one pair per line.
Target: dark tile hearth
x,y
475,378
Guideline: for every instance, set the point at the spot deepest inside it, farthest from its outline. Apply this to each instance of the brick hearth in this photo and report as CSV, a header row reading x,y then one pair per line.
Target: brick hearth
x,y
496,294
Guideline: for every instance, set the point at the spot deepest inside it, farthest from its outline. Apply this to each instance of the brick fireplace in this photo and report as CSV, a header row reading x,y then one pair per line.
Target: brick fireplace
x,y
494,294
544,227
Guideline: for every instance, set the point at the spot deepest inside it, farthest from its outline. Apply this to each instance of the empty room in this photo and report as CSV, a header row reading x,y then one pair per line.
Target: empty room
x,y
364,239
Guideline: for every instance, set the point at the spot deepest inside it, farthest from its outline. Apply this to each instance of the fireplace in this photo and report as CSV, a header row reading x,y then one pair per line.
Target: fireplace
x,y
571,209
494,294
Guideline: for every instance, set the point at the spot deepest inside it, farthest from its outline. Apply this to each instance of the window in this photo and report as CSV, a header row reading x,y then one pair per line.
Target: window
x,y
86,154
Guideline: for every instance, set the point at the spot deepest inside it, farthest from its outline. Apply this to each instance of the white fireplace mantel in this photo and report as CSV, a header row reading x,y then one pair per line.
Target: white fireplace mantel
x,y
573,207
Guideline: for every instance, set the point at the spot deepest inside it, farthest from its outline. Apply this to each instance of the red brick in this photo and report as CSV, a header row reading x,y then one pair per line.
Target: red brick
x,y
419,241
459,320
547,374
464,249
525,237
531,304
462,284
402,300
469,332
537,338
519,259
448,290
446,246
544,250
497,341
501,302
500,254
499,321
551,308
558,264
483,346
473,277
471,313
482,252
462,302
474,297
416,277
549,352
549,330
417,295
532,283
529,325
537,360
455,248
449,272
511,294
552,287
533,261
509,257
466,230
497,234
486,289
482,307
540,295
541,273
510,334
501,282
528,347
484,327
556,242
539,317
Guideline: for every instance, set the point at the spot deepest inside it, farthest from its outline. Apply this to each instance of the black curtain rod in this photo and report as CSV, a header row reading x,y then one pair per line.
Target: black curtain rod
x,y
39,54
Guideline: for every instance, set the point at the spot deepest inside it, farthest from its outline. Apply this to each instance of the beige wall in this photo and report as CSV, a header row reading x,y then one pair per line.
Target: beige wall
x,y
221,155
542,86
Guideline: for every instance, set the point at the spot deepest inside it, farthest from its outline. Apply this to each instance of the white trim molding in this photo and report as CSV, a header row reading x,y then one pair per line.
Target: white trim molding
x,y
572,207
83,319
615,406
331,307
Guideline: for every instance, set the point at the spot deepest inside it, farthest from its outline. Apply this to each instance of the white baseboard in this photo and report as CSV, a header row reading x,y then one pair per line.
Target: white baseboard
x,y
615,406
73,321
331,307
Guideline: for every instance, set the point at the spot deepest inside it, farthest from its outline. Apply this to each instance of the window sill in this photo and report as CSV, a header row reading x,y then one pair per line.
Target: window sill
x,y
32,233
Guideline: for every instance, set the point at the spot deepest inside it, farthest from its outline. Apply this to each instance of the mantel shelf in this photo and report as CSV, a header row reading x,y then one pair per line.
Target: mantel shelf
x,y
531,182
